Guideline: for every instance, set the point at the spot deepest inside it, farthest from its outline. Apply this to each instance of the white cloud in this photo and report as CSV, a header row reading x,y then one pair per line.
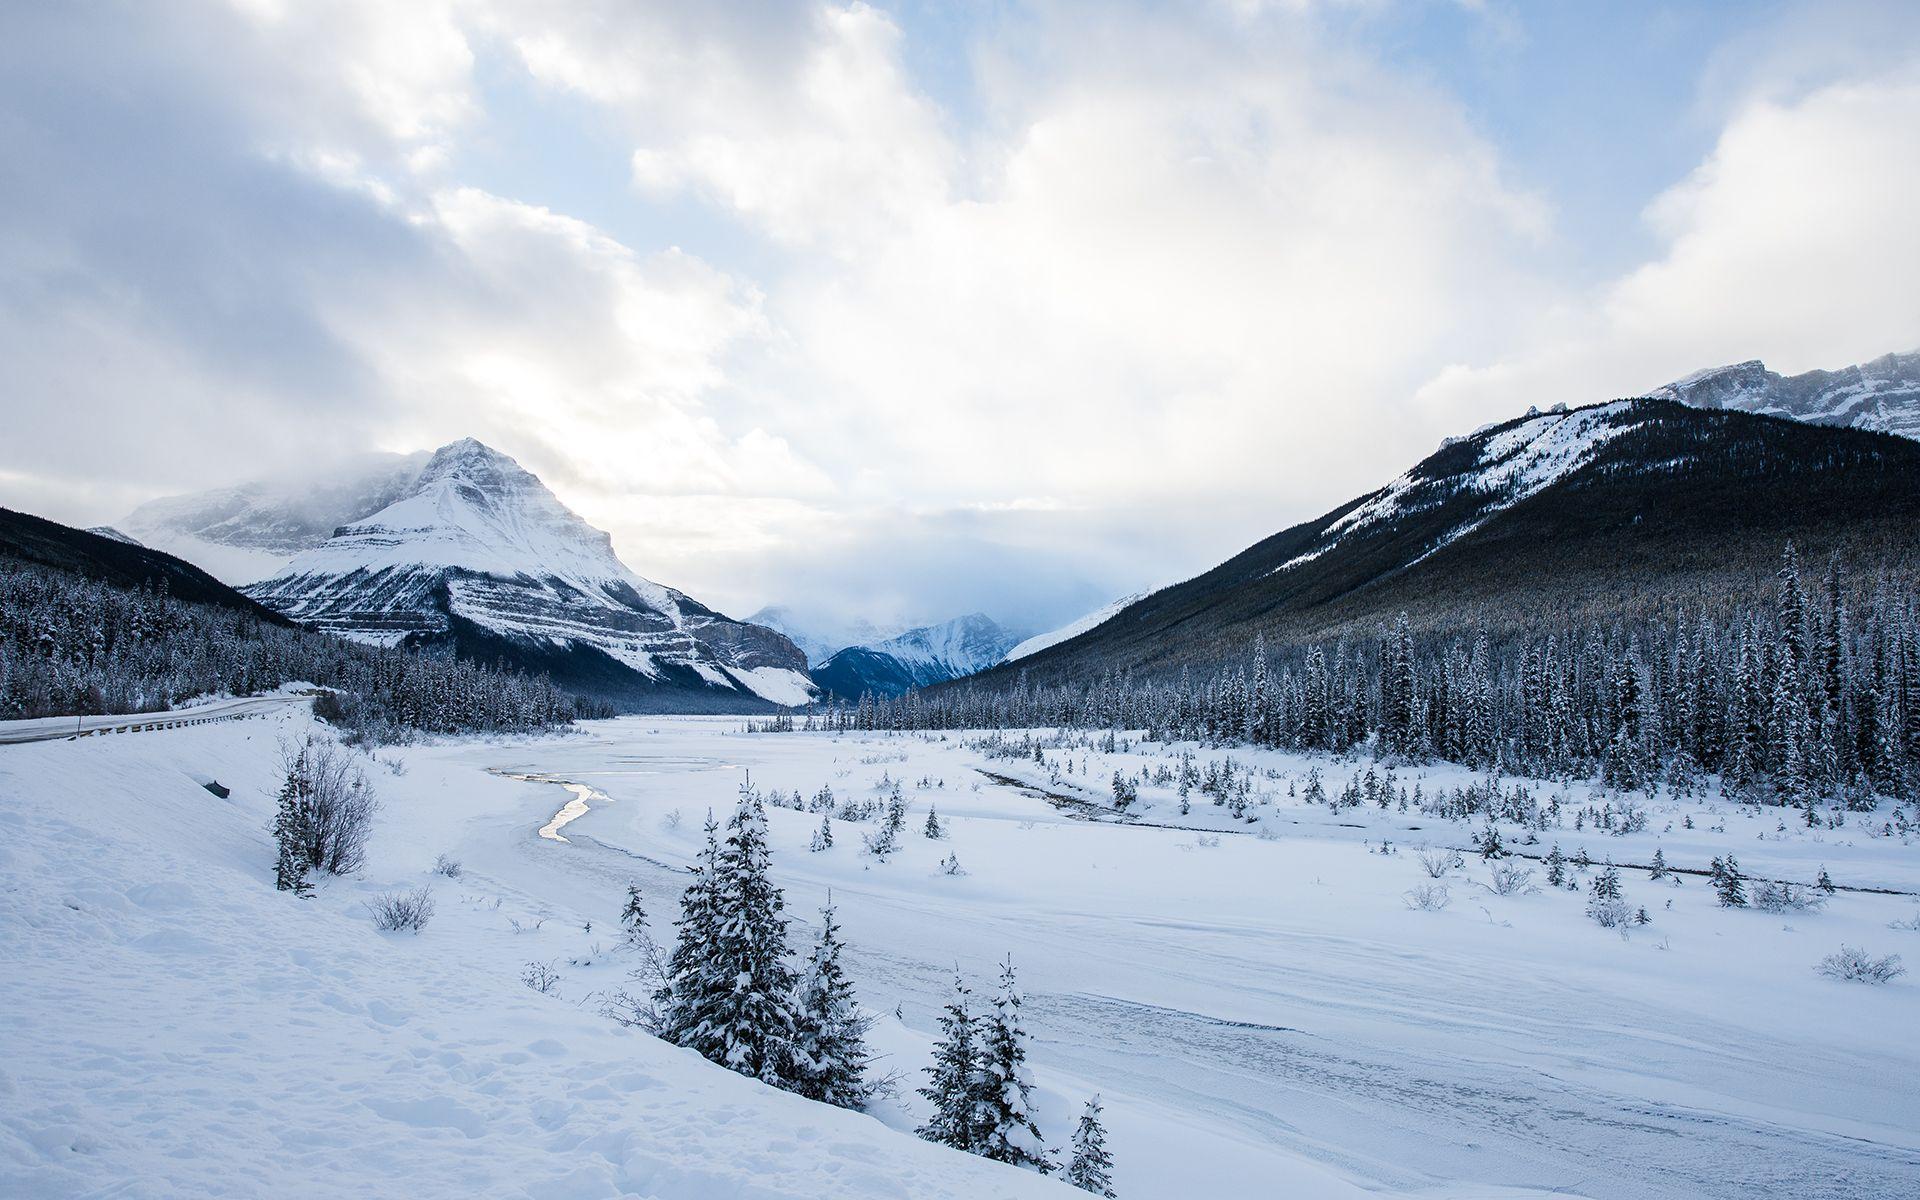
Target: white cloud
x,y
1157,285
1791,242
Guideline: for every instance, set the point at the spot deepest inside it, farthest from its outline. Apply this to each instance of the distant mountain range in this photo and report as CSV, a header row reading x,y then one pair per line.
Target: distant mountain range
x,y
820,635
917,658
467,551
1882,395
1610,509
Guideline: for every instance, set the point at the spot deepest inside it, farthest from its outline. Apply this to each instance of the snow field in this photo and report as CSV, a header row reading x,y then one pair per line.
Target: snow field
x,y
178,1028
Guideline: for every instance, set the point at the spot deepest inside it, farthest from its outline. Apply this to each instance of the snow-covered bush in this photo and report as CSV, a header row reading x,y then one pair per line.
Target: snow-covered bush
x,y
1768,896
1429,897
1610,914
1511,879
394,911
950,865
1437,862
1854,964
447,866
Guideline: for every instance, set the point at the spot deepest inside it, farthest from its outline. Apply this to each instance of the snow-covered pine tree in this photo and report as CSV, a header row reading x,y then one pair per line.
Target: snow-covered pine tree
x,y
1556,864
633,916
690,992
823,836
933,829
952,1079
1091,1166
1825,882
1003,1103
292,830
1730,887
1606,885
830,1050
750,1024
1659,868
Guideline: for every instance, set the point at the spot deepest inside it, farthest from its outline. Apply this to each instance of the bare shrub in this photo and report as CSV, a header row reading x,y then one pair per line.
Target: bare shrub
x,y
1510,879
1437,862
1768,896
1610,913
450,867
394,911
530,925
1910,924
1429,897
336,804
541,978
1857,965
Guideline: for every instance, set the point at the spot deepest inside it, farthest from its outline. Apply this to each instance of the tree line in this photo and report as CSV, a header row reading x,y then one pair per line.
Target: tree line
x,y
70,645
1812,694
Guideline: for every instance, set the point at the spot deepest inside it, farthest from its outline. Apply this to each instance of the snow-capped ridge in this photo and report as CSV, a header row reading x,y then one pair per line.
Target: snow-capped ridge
x,y
1881,395
1074,628
479,541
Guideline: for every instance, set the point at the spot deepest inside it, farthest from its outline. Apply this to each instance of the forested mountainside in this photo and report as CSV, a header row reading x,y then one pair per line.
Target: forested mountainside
x,y
91,625
1809,693
1613,513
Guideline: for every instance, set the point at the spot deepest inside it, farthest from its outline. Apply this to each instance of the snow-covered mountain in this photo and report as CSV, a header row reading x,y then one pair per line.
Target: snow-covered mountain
x,y
917,658
819,636
249,532
1597,512
1882,395
477,554
108,531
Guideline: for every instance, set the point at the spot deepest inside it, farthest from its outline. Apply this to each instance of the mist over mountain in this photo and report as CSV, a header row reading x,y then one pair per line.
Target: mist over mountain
x,y
476,556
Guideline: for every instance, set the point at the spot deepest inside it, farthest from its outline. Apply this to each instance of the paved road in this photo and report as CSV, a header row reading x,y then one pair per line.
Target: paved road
x,y
47,729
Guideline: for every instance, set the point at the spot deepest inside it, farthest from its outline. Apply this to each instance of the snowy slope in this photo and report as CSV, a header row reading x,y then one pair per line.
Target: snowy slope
x,y
478,548
1073,629
247,533
1518,461
1882,395
917,658
177,1028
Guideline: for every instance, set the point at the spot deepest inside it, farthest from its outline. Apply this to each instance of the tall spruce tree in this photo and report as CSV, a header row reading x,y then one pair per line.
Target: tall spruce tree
x,y
952,1083
751,1021
830,1050
1004,1101
1091,1166
689,994
292,830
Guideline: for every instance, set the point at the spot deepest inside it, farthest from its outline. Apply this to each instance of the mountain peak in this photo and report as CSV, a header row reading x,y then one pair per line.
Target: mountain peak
x,y
1882,394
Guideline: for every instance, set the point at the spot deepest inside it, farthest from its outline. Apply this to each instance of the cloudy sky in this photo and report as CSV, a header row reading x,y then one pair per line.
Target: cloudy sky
x,y
908,309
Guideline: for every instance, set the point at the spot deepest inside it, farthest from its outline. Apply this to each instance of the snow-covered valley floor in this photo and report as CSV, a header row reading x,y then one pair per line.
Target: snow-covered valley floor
x,y
1263,1014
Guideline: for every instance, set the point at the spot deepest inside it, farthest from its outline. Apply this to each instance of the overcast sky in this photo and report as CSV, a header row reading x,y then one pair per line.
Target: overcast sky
x,y
908,309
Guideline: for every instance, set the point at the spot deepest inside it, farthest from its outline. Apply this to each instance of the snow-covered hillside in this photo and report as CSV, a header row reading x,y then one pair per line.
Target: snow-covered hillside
x,y
1509,464
1073,629
175,1027
1882,395
477,545
249,532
